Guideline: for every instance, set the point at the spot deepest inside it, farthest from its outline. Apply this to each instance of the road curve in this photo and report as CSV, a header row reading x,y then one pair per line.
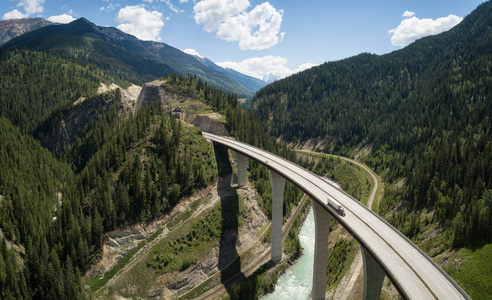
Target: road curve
x,y
413,273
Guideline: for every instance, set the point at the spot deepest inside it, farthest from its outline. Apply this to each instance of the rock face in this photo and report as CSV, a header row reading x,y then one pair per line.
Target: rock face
x,y
208,125
150,93
63,128
70,123
182,107
10,29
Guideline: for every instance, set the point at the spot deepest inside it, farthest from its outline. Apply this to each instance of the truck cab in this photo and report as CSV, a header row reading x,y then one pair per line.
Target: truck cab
x,y
341,210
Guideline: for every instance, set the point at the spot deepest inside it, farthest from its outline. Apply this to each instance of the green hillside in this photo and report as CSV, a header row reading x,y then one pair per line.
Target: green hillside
x,y
425,111
113,171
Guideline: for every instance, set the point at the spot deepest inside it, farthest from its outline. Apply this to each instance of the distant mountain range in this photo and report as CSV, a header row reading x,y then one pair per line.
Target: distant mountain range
x,y
10,29
109,44
249,82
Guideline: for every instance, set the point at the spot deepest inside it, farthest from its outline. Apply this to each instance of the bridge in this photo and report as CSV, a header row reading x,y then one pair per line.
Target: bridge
x,y
385,251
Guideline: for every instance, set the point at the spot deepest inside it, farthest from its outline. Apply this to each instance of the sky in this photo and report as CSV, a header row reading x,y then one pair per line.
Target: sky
x,y
257,38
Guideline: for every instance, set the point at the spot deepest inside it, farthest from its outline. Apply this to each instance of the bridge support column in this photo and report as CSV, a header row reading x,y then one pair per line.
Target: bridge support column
x,y
373,276
278,184
242,167
322,221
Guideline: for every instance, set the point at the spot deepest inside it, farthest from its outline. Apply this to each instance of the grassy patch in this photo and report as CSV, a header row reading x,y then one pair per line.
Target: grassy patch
x,y
184,246
183,216
471,268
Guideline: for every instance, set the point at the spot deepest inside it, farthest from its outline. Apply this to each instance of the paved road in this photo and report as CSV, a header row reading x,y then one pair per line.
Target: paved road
x,y
411,271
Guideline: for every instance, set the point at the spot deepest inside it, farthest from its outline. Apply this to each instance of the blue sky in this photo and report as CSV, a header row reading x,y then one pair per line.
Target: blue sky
x,y
260,37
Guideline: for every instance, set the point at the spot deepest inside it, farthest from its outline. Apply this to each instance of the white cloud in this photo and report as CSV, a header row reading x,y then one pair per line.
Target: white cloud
x,y
414,28
14,14
192,52
183,1
107,8
32,6
304,67
255,30
144,24
171,6
260,66
408,14
64,18
211,13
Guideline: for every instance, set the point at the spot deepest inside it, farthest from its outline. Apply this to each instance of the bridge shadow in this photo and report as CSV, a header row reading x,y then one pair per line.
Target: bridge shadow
x,y
229,261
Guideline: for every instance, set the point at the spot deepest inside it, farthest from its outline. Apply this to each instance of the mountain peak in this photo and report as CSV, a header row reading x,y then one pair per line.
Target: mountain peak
x,y
269,78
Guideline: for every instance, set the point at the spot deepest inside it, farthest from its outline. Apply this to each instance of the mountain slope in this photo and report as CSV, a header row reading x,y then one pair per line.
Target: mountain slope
x,y
425,112
10,29
107,46
251,83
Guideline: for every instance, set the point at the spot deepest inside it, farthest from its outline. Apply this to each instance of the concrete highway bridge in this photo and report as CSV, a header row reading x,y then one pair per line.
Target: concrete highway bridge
x,y
385,251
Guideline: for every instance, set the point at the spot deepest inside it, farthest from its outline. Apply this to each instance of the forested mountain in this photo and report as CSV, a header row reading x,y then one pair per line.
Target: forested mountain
x,y
134,169
111,170
110,49
36,84
426,112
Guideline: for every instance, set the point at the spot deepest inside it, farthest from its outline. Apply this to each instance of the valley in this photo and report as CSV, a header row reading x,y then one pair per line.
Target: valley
x,y
110,187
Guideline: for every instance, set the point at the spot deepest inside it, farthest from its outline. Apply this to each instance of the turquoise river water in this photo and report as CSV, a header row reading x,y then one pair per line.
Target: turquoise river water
x,y
297,282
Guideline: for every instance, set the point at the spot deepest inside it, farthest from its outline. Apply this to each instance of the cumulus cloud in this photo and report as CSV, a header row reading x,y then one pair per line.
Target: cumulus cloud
x,y
144,24
260,66
254,30
14,14
29,6
192,52
304,67
414,28
211,13
32,6
64,19
408,14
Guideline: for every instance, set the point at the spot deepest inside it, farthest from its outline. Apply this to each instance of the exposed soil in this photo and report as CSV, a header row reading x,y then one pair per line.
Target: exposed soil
x,y
252,219
251,222
120,241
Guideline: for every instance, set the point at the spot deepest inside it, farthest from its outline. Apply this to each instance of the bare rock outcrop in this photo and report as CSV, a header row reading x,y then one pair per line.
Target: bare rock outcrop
x,y
207,124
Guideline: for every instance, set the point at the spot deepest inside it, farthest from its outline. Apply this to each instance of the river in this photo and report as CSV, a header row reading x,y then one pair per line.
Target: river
x,y
297,282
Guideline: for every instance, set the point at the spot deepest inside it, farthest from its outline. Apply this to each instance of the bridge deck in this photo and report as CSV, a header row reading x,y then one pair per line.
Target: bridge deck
x,y
413,273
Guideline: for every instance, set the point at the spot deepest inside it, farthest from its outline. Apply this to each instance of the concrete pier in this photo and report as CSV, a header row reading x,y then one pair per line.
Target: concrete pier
x,y
322,221
278,185
373,277
242,167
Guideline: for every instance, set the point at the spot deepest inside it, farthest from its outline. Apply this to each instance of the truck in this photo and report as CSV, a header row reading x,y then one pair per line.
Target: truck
x,y
336,205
